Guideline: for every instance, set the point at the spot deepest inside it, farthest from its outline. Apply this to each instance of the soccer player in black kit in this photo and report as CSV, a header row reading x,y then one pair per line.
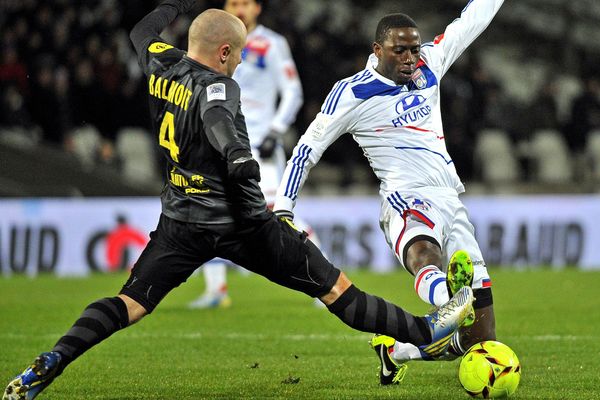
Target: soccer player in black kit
x,y
212,206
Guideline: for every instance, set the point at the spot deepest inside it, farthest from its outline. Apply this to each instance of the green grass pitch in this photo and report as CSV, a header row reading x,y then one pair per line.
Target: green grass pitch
x,y
273,343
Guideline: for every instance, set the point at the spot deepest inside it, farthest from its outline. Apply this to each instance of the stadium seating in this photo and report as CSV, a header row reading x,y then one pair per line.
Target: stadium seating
x,y
138,160
20,137
495,157
86,142
593,154
551,158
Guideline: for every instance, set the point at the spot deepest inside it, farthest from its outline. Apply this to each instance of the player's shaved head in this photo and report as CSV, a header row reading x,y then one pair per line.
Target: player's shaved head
x,y
216,39
213,28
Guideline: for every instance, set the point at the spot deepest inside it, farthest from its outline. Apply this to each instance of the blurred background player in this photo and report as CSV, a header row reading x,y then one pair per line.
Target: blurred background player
x,y
271,95
392,109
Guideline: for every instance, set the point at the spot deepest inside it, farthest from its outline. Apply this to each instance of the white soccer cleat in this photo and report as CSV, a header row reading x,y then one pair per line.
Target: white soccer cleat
x,y
445,321
211,300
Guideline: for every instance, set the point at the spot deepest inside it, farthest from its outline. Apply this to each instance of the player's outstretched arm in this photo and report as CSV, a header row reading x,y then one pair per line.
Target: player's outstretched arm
x,y
150,27
447,47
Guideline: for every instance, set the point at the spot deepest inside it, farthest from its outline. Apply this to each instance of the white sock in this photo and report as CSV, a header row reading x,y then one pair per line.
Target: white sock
x,y
215,277
405,352
430,284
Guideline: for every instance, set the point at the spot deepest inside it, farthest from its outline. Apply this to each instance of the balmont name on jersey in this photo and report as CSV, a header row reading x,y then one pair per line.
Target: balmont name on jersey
x,y
171,91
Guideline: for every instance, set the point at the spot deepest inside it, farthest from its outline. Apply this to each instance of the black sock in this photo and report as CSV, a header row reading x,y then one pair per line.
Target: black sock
x,y
97,322
369,313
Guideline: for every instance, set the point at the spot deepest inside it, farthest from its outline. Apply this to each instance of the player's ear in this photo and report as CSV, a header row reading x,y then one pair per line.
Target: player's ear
x,y
377,49
224,52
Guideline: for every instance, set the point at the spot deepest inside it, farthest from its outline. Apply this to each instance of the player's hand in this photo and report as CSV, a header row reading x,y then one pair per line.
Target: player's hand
x,y
241,166
187,5
268,145
284,214
182,6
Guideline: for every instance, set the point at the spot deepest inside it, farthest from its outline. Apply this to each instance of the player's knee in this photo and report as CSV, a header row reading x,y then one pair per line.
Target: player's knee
x,y
134,309
422,253
341,285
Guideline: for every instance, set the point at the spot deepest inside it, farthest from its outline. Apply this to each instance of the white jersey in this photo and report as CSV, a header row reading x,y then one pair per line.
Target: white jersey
x,y
399,127
268,72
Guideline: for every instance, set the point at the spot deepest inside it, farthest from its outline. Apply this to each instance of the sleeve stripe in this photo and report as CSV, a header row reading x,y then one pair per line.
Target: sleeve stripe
x,y
361,77
467,6
298,179
334,99
331,109
330,95
299,160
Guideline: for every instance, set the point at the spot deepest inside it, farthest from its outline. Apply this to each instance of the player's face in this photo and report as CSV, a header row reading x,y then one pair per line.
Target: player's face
x,y
398,54
234,59
246,10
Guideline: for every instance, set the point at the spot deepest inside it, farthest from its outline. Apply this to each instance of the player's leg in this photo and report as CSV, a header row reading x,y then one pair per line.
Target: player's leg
x,y
271,171
165,263
215,291
98,321
462,237
414,230
284,255
314,238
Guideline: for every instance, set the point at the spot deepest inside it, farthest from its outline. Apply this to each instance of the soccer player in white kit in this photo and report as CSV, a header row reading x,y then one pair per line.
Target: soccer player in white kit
x,y
267,73
392,110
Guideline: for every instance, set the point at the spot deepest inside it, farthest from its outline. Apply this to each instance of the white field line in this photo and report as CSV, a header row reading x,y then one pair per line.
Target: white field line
x,y
292,337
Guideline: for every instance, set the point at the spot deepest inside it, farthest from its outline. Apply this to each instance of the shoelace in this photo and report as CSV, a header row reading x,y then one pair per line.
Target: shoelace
x,y
444,312
400,373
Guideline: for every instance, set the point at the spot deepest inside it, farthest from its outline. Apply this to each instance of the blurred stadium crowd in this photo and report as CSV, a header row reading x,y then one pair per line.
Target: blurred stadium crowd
x,y
521,107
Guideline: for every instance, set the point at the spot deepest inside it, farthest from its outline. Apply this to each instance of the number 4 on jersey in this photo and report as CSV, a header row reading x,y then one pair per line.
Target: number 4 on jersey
x,y
166,137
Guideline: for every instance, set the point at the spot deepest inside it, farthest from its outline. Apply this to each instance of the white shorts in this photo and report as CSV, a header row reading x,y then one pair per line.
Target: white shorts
x,y
271,172
437,214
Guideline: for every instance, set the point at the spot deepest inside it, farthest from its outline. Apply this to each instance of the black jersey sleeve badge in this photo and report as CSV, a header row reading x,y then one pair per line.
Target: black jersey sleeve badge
x,y
216,91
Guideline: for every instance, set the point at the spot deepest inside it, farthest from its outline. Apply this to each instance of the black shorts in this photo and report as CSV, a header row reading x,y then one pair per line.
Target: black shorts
x,y
270,248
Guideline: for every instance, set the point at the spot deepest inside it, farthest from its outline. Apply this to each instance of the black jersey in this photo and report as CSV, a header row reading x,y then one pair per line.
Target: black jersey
x,y
181,90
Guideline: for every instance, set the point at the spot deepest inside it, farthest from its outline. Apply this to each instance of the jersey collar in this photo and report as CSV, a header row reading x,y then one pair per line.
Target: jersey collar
x,y
195,63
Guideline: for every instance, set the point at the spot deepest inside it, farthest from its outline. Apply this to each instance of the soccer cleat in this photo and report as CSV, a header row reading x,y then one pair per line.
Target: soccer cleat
x,y
211,300
389,371
34,379
460,273
445,321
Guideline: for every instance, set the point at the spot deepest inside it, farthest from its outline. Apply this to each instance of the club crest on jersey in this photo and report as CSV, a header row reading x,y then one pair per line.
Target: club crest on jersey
x,y
419,79
255,52
421,205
